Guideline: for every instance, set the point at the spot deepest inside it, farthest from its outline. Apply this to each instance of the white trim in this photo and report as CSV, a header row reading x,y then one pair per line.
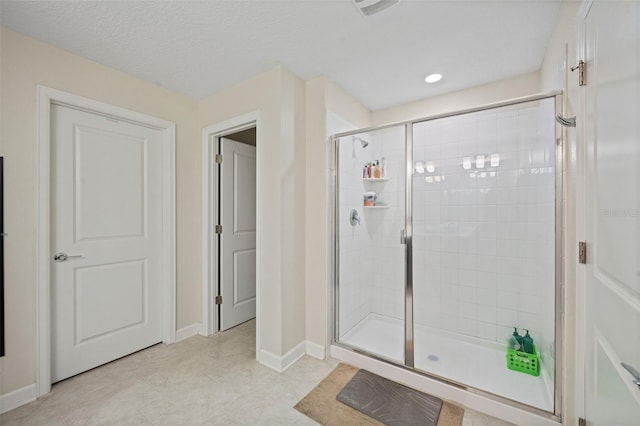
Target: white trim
x,y
269,359
47,96
209,249
442,390
281,363
315,350
43,295
293,355
580,167
17,398
209,204
188,331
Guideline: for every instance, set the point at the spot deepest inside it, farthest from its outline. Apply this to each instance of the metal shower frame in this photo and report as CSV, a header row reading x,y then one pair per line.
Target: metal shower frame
x,y
408,240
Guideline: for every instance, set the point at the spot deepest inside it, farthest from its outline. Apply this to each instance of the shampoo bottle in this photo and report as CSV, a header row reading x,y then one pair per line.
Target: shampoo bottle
x,y
527,343
383,167
516,340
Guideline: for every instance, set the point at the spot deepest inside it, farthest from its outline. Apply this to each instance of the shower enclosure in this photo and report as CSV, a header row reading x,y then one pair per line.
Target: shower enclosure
x,y
448,236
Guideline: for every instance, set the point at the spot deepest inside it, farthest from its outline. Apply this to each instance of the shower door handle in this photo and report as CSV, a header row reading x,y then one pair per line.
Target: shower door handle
x,y
403,236
633,372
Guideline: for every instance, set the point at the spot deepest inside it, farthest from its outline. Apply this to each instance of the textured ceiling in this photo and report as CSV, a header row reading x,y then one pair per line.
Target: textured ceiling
x,y
199,48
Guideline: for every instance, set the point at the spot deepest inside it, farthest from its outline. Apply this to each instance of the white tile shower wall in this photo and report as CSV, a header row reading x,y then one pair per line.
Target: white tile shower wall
x,y
371,265
355,251
483,233
387,295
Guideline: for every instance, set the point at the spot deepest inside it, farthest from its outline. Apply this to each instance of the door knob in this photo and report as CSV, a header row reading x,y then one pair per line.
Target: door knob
x,y
633,372
61,257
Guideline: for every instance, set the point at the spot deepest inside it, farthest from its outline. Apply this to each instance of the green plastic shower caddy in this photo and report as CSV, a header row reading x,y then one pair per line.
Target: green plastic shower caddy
x,y
523,362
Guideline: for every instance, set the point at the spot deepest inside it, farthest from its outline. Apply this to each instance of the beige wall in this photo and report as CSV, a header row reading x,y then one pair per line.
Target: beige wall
x,y
293,179
279,97
555,74
277,94
342,104
260,93
523,85
317,242
25,64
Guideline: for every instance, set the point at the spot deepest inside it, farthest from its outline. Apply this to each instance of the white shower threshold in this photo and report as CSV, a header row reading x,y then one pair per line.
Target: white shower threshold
x,y
462,359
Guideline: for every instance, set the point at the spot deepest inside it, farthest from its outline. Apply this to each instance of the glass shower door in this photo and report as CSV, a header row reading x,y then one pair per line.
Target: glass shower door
x,y
370,258
484,247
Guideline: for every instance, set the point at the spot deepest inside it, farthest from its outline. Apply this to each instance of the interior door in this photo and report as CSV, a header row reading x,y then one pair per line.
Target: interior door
x,y
612,283
238,238
106,239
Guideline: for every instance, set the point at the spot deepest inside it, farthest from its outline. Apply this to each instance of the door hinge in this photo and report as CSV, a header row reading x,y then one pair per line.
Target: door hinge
x,y
582,252
218,300
218,229
582,72
582,422
218,158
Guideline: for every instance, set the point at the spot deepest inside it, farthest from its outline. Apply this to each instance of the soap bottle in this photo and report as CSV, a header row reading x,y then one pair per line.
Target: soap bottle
x,y
516,340
527,343
383,167
376,169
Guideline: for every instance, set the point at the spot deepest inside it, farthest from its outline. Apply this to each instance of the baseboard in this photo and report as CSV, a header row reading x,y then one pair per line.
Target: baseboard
x,y
315,350
269,359
293,355
281,363
18,397
188,331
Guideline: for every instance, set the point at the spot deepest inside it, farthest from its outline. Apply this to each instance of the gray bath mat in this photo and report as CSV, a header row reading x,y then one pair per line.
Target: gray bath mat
x,y
389,402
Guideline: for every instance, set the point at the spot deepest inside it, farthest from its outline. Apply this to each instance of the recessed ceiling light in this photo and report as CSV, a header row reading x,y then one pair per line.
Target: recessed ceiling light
x,y
432,78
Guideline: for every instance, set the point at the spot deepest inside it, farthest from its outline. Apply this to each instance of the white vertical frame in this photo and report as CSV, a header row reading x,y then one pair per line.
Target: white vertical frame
x,y
210,205
581,218
46,98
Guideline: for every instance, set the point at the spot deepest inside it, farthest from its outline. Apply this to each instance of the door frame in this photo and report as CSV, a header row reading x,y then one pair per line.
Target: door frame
x,y
210,134
46,97
558,413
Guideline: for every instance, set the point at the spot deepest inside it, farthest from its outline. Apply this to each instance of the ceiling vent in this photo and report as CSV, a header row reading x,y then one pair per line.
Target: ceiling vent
x,y
371,7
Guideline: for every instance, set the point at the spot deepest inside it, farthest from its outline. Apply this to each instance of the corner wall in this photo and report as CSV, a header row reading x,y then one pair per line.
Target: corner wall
x,y
324,101
279,97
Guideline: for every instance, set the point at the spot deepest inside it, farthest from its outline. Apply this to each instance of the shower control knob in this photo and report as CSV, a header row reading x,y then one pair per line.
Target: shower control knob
x,y
354,219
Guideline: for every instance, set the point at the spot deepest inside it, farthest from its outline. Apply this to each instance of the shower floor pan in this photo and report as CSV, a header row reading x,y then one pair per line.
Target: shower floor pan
x,y
465,360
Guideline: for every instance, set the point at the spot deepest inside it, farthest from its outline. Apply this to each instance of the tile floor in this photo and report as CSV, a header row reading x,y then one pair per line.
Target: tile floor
x,y
201,380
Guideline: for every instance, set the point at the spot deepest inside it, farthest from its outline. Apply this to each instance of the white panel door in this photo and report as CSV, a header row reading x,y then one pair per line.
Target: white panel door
x,y
106,210
238,239
612,192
